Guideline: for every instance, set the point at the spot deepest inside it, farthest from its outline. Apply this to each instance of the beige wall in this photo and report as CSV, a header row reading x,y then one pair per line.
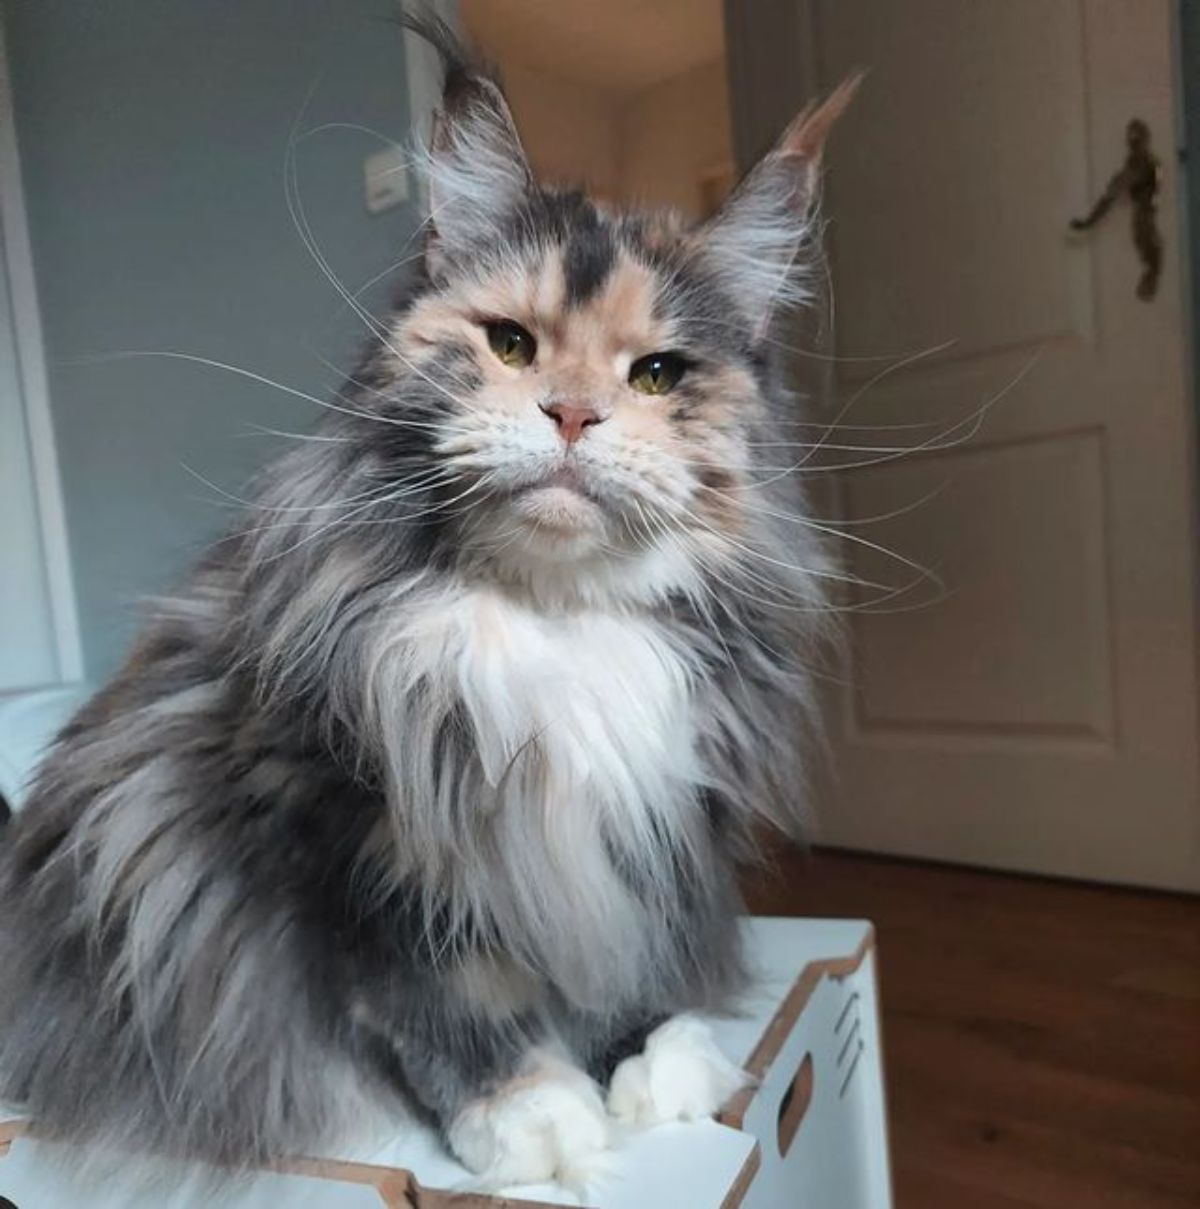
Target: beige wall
x,y
569,129
672,135
654,146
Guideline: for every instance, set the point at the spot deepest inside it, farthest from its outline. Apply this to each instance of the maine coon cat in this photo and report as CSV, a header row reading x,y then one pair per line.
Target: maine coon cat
x,y
424,793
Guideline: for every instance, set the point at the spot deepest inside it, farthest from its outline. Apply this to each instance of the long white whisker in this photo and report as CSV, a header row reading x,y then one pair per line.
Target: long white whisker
x,y
839,358
261,430
344,521
939,442
822,527
859,521
854,398
300,221
174,355
412,488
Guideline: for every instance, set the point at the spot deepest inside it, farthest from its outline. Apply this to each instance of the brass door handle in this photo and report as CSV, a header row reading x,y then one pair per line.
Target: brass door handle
x,y
1141,178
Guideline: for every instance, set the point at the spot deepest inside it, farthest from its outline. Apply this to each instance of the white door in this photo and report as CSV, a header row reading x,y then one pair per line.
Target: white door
x,y
1041,715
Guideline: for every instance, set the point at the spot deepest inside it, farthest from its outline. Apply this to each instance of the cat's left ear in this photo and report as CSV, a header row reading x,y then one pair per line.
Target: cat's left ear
x,y
755,240
478,171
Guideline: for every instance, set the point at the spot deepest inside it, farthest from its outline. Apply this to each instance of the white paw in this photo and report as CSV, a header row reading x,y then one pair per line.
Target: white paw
x,y
549,1125
681,1075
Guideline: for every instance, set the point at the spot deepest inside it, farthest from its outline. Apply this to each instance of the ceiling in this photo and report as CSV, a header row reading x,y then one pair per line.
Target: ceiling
x,y
616,46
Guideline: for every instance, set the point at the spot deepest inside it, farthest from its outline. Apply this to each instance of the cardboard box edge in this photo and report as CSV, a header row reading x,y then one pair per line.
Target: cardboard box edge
x,y
784,1020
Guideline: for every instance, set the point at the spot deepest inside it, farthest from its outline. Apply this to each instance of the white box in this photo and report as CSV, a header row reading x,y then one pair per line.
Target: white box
x,y
810,1134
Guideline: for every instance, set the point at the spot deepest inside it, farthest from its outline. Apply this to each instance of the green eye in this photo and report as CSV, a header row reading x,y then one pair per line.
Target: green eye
x,y
511,343
656,374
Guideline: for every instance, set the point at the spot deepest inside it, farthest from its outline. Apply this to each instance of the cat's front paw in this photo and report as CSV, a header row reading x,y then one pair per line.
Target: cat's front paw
x,y
680,1075
548,1125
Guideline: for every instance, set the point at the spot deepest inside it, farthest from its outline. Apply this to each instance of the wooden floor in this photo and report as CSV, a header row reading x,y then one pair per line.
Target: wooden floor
x,y
1041,1039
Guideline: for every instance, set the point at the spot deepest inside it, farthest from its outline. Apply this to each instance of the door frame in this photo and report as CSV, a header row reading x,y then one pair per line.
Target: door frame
x,y
1186,84
20,284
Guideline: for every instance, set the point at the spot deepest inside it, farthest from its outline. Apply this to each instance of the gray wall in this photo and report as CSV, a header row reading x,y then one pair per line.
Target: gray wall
x,y
152,138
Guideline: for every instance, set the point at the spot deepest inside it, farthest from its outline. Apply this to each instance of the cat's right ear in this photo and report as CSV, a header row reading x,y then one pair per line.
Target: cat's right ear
x,y
756,240
477,169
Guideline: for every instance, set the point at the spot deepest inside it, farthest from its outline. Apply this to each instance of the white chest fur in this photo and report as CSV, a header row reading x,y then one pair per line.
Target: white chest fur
x,y
604,698
574,763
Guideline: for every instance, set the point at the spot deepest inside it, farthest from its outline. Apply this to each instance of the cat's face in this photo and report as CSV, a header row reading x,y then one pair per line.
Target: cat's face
x,y
604,384
594,380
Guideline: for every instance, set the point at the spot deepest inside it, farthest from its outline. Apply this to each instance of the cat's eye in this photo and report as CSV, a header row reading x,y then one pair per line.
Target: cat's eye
x,y
511,343
657,373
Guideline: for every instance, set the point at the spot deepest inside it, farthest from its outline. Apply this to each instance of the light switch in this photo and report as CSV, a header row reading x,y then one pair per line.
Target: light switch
x,y
386,175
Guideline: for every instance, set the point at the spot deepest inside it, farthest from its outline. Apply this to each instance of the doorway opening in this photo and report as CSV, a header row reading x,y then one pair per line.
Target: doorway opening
x,y
626,98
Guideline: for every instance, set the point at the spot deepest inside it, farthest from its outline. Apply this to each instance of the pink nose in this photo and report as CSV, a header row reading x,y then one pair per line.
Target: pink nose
x,y
572,419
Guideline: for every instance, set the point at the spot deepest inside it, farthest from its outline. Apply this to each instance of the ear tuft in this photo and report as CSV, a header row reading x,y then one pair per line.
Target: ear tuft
x,y
754,241
476,167
808,131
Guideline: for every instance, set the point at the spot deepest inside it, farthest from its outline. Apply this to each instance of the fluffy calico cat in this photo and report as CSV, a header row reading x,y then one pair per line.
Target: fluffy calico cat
x,y
424,794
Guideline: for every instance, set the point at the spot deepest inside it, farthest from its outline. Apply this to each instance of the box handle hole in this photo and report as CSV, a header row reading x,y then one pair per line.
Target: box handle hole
x,y
795,1104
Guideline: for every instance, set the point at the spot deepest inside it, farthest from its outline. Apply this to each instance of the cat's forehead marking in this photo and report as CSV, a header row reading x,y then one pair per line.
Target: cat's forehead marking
x,y
582,235
623,307
588,256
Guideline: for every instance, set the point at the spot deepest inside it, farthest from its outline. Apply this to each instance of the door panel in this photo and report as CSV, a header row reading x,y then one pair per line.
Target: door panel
x,y
1031,703
1020,552
964,158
